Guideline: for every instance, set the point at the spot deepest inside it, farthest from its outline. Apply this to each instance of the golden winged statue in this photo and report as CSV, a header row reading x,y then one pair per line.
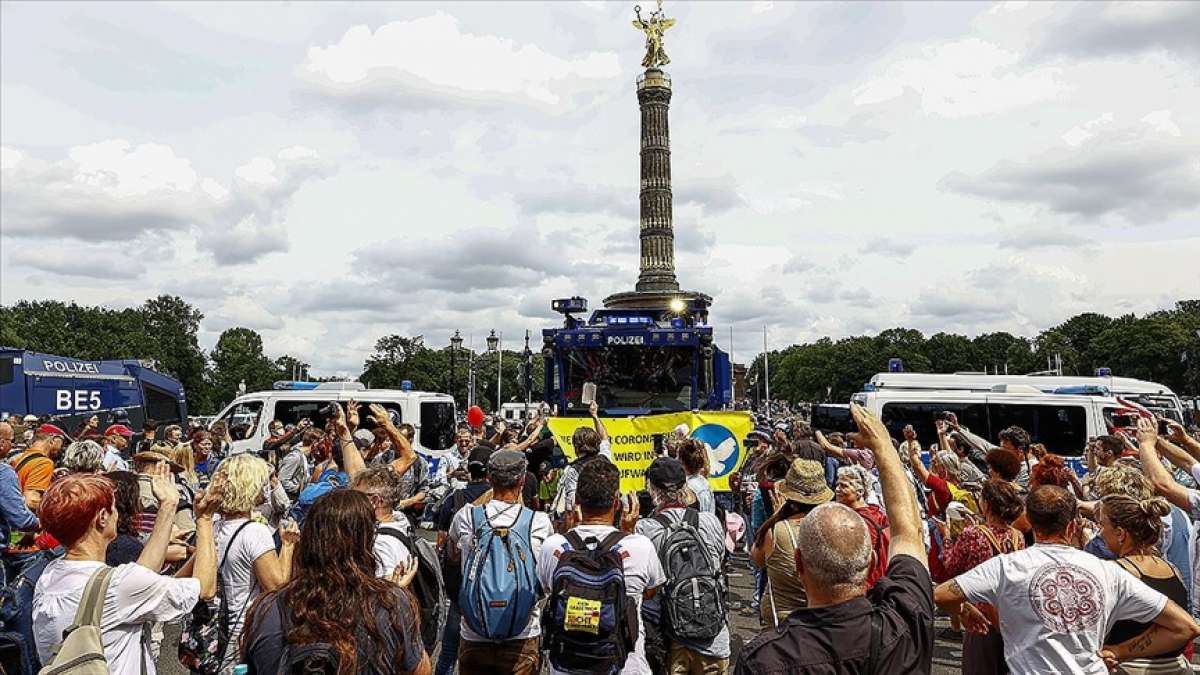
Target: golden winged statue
x,y
654,28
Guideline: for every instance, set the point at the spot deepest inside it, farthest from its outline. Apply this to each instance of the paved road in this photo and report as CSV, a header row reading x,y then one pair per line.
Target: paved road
x,y
946,661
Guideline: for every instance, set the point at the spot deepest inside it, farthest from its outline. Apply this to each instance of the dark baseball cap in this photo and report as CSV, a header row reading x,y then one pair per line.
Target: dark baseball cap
x,y
666,473
479,455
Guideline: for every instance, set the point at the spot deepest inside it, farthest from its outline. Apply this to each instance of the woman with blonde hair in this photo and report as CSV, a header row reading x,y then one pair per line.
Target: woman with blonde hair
x,y
182,455
246,559
1132,528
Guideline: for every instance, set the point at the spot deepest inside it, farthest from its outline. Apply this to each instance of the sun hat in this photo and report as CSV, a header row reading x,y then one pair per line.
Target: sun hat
x,y
158,452
805,483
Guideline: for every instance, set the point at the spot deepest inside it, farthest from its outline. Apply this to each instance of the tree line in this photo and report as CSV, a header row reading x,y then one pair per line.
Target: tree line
x,y
1161,346
164,329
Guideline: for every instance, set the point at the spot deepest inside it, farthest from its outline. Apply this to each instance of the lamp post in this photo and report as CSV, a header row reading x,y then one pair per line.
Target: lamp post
x,y
527,378
455,345
494,345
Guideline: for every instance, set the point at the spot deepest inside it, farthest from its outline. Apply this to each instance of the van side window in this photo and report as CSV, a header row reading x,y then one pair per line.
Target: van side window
x,y
922,416
1061,428
291,412
242,419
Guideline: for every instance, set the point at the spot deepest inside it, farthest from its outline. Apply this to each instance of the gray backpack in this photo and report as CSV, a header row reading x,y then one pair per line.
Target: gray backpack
x,y
82,649
694,598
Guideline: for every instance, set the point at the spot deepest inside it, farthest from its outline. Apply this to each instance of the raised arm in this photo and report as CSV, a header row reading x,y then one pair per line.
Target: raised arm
x,y
1179,437
830,448
1175,454
1162,481
943,437
898,499
594,410
352,459
405,455
532,438
203,565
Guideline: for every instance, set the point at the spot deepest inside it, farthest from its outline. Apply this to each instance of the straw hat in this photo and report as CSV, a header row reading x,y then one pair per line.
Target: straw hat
x,y
159,452
805,483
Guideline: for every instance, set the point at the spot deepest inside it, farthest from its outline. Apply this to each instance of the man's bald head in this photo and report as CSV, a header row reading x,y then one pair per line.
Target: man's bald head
x,y
834,548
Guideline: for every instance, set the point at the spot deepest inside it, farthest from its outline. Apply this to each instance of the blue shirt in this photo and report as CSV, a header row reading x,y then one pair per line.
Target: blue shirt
x,y
14,514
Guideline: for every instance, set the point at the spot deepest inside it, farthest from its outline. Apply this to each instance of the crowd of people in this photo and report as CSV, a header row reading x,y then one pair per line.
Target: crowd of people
x,y
308,555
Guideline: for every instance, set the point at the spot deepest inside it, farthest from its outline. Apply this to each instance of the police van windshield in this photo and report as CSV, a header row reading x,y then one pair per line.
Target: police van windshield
x,y
655,378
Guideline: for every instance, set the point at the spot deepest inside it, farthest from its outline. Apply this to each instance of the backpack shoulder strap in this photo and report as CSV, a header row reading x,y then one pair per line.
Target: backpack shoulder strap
x,y
25,459
991,537
91,603
692,517
611,541
574,541
876,640
394,534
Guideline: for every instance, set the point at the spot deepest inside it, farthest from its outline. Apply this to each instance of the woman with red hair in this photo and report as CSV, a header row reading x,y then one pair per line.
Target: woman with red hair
x,y
80,511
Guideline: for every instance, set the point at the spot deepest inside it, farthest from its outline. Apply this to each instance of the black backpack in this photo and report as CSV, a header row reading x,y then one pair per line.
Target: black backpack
x,y
427,586
452,569
694,597
315,658
17,654
590,624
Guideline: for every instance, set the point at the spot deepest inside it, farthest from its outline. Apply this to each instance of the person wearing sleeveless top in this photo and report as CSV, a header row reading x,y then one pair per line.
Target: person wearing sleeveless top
x,y
1132,528
1001,504
800,491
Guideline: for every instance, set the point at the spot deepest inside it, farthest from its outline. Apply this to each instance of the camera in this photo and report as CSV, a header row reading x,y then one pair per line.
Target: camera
x,y
329,409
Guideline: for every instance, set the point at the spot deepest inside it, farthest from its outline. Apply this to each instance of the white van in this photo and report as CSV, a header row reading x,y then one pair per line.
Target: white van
x,y
249,415
1156,397
1064,423
515,412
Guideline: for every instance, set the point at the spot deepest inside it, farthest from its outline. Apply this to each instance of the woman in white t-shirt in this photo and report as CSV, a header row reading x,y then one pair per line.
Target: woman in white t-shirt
x,y
80,511
246,558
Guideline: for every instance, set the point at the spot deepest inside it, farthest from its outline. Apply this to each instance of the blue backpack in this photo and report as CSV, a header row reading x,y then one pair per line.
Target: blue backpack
x,y
500,587
330,480
17,654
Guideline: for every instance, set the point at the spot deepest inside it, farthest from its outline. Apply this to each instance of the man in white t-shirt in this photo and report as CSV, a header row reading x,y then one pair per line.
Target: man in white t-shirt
x,y
520,655
597,497
382,487
1057,603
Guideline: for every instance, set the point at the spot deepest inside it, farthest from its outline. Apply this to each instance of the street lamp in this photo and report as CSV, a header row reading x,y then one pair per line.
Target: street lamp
x,y
455,345
493,345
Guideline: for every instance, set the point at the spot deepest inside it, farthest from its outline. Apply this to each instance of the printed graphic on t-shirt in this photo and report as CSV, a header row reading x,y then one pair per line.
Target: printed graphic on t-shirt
x,y
1066,598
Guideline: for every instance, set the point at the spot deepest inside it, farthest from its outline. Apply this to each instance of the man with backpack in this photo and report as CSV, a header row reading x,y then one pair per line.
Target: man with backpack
x,y
687,617
499,542
589,444
475,465
597,577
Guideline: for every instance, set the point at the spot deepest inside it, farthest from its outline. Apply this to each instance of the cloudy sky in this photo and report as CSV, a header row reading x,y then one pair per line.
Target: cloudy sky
x,y
328,174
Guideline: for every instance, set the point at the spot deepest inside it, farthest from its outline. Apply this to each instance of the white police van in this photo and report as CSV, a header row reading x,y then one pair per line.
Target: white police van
x,y
1064,423
249,416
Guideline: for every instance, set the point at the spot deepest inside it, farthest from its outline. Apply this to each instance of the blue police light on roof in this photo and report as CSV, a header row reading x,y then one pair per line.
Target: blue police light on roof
x,y
406,385
1104,372
895,365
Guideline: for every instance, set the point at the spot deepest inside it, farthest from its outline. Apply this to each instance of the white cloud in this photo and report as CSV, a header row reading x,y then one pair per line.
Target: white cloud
x,y
431,57
963,78
1160,120
1075,136
10,157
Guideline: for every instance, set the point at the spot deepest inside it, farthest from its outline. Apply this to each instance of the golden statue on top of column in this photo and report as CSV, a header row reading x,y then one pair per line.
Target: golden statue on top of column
x,y
654,28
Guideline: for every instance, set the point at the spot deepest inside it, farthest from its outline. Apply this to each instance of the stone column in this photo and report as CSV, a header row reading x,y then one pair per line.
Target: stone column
x,y
657,226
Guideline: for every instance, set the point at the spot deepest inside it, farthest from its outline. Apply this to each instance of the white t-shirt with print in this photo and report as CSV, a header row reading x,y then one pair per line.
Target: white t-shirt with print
x,y
1056,605
135,596
501,514
390,552
643,571
241,586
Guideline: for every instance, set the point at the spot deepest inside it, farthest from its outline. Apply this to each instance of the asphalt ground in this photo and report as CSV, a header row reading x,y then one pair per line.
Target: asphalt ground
x,y
947,657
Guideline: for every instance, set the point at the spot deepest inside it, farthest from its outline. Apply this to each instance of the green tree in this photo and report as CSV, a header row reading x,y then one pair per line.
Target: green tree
x,y
950,353
238,357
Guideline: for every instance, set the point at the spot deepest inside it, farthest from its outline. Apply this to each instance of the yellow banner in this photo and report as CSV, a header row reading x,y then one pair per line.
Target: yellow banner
x,y
632,439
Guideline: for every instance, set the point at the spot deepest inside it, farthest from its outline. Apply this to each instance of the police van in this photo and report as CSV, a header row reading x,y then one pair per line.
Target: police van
x,y
249,416
1064,423
70,390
